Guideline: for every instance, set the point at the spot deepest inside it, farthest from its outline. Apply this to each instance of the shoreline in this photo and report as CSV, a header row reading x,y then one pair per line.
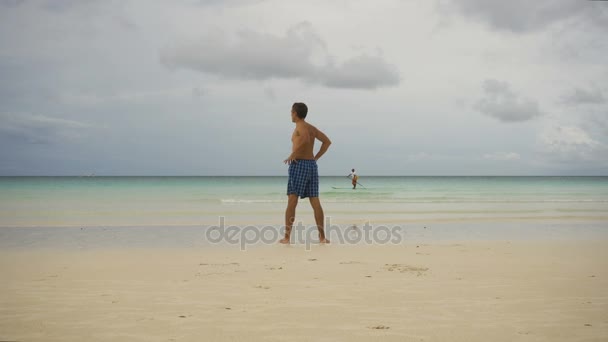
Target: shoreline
x,y
199,236
498,220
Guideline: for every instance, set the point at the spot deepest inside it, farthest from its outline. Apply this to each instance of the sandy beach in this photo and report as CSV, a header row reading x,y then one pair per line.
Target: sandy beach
x,y
169,170
460,291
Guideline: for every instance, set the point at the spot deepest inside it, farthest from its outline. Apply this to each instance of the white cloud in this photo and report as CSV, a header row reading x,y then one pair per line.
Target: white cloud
x,y
39,129
424,156
91,99
568,143
420,156
505,156
501,103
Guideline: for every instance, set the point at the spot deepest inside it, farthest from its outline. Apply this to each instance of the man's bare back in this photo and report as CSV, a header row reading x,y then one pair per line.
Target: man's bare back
x,y
303,137
303,142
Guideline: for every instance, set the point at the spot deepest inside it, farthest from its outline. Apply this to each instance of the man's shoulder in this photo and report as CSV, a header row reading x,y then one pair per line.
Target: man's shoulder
x,y
312,128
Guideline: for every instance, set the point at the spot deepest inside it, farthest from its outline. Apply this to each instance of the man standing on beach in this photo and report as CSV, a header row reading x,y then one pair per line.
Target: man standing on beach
x,y
303,173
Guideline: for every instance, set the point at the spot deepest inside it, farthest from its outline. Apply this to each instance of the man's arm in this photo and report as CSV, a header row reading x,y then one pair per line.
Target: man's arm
x,y
325,144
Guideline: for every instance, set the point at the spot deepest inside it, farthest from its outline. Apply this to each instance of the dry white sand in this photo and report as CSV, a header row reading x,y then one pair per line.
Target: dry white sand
x,y
481,291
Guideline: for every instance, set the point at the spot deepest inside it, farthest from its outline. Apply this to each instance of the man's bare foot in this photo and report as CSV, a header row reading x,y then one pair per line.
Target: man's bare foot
x,y
284,241
323,240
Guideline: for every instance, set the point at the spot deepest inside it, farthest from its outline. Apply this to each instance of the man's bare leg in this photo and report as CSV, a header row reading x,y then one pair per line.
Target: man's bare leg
x,y
290,216
319,218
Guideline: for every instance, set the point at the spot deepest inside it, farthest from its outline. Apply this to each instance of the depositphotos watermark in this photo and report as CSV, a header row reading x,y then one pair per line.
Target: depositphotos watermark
x,y
303,235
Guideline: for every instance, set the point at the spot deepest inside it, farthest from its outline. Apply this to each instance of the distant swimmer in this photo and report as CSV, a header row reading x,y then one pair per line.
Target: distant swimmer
x,y
353,176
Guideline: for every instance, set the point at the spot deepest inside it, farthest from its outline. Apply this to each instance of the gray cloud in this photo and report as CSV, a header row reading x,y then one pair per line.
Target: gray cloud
x,y
579,96
598,122
300,54
250,55
365,72
270,93
11,3
65,5
39,129
58,6
502,103
229,3
524,16
25,84
198,92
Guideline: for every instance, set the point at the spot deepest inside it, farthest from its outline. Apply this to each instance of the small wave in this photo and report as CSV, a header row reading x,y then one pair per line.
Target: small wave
x,y
331,199
236,201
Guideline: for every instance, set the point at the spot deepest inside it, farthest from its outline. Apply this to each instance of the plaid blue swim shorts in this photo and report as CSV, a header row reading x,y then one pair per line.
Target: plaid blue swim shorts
x,y
303,178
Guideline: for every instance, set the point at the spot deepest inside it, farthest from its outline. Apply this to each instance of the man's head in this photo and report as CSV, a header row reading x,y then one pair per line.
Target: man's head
x,y
298,111
353,170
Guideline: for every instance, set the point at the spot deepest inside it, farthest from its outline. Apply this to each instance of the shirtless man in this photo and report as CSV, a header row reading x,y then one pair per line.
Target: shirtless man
x,y
303,173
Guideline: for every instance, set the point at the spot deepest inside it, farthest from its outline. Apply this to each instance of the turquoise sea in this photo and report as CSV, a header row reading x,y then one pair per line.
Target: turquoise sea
x,y
190,201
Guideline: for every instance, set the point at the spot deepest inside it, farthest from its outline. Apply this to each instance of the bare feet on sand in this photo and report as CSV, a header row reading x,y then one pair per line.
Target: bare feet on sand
x,y
286,241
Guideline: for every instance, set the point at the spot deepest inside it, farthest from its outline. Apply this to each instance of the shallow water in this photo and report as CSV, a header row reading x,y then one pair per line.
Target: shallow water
x,y
196,201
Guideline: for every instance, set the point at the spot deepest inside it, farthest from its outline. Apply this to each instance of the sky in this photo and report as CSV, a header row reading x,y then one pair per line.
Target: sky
x,y
401,87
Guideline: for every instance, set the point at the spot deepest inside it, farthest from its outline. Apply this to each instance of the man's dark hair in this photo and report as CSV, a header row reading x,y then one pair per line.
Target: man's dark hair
x,y
300,109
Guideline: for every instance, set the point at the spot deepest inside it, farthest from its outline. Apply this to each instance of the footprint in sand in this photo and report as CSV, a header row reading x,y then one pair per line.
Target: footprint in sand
x,y
380,327
199,274
350,262
402,268
262,287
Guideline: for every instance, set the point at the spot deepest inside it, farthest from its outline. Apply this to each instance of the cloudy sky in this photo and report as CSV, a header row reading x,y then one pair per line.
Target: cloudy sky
x,y
205,87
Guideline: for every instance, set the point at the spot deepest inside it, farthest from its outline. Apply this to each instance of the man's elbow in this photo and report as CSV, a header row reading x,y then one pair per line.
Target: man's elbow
x,y
328,142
